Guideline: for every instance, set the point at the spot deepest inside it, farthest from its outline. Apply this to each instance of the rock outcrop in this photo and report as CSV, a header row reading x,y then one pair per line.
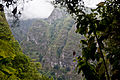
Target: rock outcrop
x,y
52,42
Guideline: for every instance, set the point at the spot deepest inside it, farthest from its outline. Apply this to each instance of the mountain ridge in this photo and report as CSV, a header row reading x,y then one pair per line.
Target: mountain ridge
x,y
52,42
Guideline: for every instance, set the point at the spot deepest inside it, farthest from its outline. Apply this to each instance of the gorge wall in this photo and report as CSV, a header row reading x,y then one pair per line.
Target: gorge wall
x,y
52,42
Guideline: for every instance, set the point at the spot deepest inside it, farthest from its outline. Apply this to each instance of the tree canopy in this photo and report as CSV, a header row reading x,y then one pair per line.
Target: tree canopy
x,y
100,58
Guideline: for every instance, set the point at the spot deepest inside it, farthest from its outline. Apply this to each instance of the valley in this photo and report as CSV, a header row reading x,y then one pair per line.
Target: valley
x,y
52,42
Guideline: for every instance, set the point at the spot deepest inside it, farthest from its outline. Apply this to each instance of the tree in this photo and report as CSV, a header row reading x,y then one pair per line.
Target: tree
x,y
14,65
101,47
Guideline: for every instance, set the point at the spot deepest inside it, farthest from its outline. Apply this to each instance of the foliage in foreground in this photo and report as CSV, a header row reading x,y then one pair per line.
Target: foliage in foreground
x,y
100,58
14,65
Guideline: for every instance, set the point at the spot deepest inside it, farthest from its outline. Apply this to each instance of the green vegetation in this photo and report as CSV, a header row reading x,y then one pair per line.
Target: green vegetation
x,y
51,44
14,65
100,58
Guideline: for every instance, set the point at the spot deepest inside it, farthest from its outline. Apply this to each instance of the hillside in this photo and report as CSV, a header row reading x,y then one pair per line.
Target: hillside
x,y
52,42
14,65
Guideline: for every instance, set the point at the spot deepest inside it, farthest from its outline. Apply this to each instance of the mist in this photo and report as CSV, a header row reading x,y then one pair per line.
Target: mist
x,y
43,8
37,9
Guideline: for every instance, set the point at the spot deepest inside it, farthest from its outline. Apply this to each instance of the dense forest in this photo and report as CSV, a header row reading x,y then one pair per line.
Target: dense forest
x,y
73,43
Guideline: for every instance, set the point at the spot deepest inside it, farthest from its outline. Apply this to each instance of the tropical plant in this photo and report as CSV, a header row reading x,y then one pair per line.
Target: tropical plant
x,y
100,48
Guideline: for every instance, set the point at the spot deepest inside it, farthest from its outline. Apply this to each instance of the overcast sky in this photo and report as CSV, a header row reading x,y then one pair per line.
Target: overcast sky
x,y
43,8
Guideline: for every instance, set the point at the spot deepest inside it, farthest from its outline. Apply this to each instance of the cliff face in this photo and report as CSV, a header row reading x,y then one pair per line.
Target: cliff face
x,y
52,42
55,15
36,41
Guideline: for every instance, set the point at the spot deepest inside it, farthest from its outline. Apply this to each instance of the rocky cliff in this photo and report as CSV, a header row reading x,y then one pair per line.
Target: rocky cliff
x,y
52,41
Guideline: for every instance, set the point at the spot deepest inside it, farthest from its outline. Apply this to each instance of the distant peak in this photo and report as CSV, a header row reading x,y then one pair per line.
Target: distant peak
x,y
57,13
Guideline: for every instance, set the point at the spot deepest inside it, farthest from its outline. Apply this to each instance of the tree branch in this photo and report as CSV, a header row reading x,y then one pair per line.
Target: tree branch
x,y
102,56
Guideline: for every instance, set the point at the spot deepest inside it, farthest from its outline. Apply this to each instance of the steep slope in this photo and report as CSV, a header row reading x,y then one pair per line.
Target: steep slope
x,y
55,15
14,65
20,30
52,41
9,50
37,39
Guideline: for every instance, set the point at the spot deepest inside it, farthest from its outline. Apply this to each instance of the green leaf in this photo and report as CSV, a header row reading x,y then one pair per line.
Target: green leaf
x,y
7,70
97,56
91,40
84,42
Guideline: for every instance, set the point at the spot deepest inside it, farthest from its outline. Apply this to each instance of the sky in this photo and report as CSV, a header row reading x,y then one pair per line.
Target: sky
x,y
92,3
43,8
37,9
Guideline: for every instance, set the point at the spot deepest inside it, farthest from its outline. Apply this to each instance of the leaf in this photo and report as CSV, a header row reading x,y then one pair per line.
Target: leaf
x,y
14,11
83,42
81,65
93,10
97,56
92,51
101,4
77,26
83,29
91,40
90,32
95,13
7,70
85,53
10,70
74,60
7,5
1,56
5,61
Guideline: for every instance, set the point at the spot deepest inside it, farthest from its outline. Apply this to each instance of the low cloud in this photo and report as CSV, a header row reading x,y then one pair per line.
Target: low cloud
x,y
92,3
37,9
43,8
